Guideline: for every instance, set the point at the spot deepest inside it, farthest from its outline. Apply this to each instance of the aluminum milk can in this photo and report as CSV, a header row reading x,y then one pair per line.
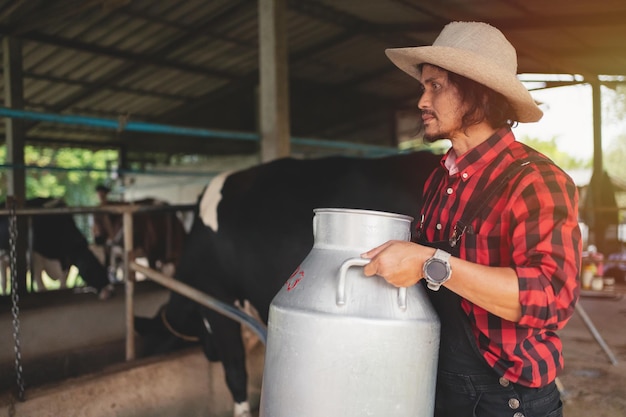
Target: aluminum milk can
x,y
341,344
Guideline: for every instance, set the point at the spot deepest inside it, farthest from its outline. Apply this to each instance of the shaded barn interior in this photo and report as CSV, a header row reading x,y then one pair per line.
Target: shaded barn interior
x,y
196,64
129,75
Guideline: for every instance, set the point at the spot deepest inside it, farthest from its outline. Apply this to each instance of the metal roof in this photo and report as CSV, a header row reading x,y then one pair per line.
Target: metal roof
x,y
195,62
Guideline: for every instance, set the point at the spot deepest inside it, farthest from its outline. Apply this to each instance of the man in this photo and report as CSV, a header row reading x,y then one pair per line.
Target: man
x,y
504,276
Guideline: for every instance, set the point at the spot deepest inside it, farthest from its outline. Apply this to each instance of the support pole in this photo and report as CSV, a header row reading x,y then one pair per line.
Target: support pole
x,y
15,133
597,125
583,314
274,80
129,284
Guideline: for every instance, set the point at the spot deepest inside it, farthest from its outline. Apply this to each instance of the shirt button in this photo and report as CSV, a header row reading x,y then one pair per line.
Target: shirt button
x,y
503,381
439,226
465,175
514,403
449,191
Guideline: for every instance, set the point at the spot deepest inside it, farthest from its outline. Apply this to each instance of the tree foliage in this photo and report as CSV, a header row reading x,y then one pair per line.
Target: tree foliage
x,y
560,157
615,110
69,173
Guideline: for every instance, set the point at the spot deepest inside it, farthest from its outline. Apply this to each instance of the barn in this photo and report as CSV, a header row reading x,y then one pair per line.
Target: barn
x,y
185,91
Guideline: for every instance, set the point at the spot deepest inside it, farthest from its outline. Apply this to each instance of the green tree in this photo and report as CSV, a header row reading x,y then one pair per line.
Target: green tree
x,y
552,151
614,103
69,173
614,154
614,157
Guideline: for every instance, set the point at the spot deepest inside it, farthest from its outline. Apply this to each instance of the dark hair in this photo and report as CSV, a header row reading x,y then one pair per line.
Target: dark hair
x,y
483,102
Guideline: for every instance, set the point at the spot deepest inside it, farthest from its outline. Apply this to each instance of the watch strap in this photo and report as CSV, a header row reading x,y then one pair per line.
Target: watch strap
x,y
442,254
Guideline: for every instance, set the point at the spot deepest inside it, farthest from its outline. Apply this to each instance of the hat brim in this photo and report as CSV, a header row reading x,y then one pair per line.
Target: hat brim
x,y
472,66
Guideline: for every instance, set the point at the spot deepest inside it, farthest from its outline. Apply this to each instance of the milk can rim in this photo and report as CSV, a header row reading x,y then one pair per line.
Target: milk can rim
x,y
363,211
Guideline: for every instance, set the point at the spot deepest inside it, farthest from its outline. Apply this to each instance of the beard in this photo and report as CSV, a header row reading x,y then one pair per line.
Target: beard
x,y
434,137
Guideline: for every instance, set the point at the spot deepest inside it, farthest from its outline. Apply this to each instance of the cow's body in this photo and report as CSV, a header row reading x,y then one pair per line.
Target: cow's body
x,y
263,230
57,238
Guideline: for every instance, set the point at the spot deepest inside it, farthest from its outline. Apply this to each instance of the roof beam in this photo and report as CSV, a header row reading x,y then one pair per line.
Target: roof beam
x,y
155,58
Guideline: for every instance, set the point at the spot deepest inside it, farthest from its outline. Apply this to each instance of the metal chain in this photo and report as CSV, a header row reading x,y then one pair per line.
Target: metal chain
x,y
15,299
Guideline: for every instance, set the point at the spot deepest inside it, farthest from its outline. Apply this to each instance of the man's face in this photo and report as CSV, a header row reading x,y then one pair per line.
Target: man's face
x,y
440,104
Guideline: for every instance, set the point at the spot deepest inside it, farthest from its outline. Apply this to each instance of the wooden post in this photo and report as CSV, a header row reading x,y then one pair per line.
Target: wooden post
x,y
129,284
274,81
15,133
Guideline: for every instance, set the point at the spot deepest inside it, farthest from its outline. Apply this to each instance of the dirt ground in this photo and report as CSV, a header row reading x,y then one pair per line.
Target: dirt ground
x,y
591,384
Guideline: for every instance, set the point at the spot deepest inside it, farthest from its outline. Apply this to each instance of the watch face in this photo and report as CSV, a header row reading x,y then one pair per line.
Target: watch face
x,y
437,271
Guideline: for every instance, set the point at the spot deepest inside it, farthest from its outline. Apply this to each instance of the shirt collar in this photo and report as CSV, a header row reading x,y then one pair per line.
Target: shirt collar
x,y
450,163
480,156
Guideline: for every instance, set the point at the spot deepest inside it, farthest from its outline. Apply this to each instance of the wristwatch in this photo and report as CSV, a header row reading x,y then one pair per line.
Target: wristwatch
x,y
437,269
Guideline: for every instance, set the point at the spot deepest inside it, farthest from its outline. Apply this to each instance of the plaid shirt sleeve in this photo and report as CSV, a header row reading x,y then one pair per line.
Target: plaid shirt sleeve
x,y
546,247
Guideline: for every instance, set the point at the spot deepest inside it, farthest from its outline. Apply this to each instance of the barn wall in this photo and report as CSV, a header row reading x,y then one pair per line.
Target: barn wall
x,y
182,384
69,322
52,336
181,189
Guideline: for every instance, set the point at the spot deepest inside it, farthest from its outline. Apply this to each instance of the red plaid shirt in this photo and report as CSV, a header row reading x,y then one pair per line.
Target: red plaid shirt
x,y
533,228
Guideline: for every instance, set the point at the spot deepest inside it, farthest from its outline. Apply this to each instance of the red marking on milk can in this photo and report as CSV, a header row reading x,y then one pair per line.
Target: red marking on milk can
x,y
298,274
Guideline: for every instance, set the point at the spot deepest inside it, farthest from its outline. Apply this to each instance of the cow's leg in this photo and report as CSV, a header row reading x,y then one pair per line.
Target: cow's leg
x,y
225,340
115,262
37,272
93,272
54,269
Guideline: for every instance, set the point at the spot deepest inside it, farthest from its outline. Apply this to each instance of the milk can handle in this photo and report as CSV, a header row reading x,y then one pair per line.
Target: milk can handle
x,y
341,286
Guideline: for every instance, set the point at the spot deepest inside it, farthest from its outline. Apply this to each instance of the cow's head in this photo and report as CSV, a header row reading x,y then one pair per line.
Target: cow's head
x,y
169,330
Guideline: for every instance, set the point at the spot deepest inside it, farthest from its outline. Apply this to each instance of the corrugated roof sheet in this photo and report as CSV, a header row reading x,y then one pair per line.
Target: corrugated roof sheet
x,y
195,62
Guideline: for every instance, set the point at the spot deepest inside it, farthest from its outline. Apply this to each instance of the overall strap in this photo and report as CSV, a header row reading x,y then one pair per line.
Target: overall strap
x,y
493,190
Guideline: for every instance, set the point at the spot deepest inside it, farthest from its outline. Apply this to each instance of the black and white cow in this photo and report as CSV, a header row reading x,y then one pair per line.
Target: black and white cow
x,y
254,227
57,238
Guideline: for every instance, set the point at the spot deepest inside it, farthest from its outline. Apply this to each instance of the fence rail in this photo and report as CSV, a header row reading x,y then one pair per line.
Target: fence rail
x,y
130,267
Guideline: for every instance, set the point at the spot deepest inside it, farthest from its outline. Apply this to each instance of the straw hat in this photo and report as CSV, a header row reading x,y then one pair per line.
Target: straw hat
x,y
477,51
